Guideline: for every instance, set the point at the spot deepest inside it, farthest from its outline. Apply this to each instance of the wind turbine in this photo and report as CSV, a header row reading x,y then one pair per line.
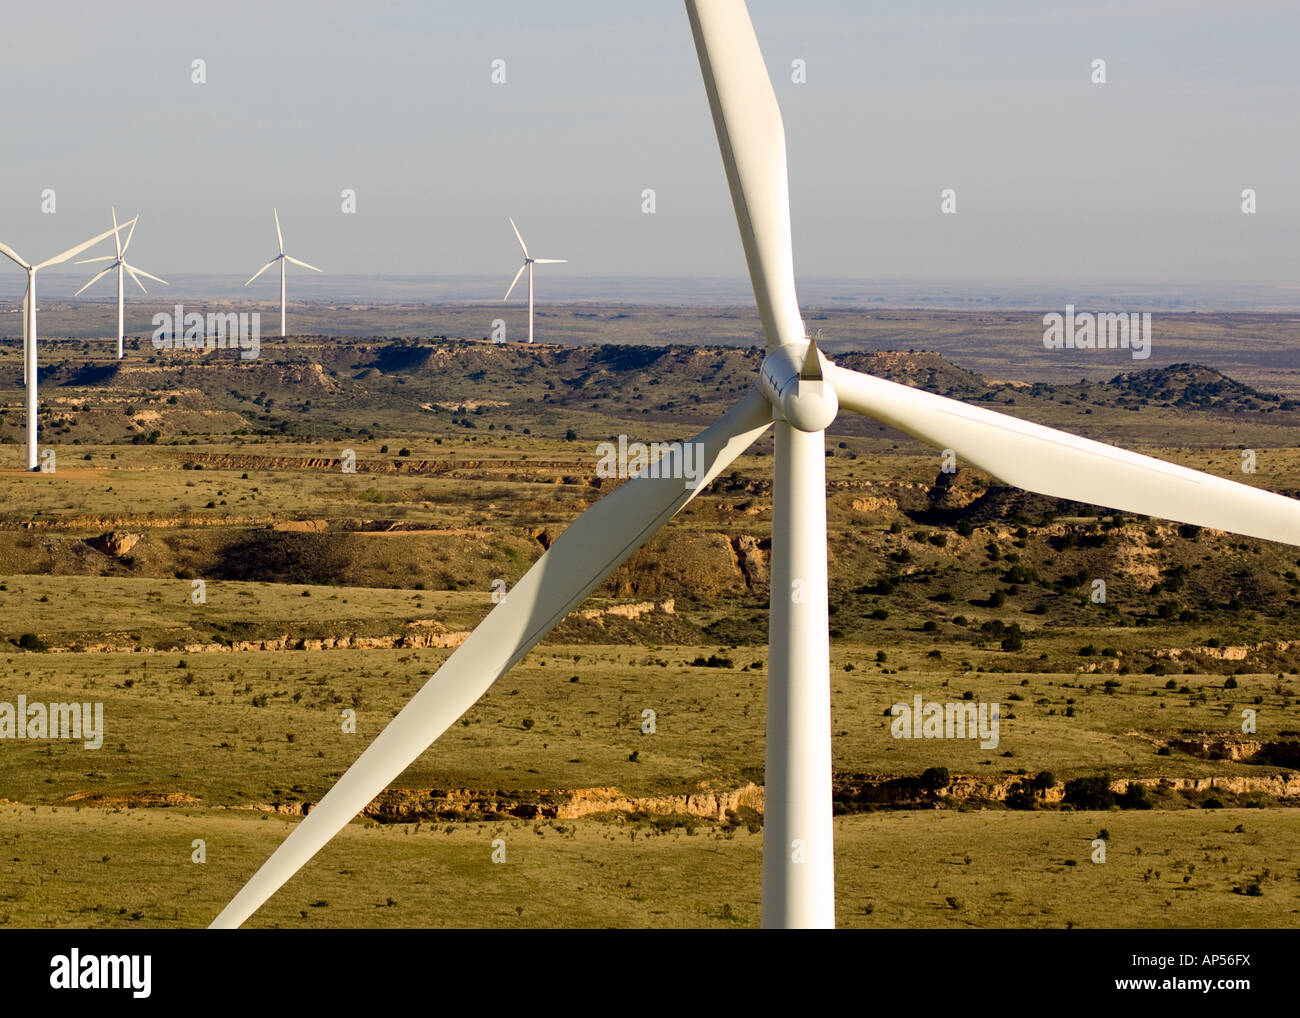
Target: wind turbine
x,y
119,263
281,258
29,325
798,393
529,262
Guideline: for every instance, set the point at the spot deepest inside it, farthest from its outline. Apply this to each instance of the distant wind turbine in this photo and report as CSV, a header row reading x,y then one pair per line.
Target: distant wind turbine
x,y
29,324
528,264
119,263
281,258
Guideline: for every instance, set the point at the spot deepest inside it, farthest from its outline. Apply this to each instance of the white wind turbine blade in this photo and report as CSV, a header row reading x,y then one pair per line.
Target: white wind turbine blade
x,y
514,281
752,139
303,264
127,243
278,235
593,546
549,261
264,268
1062,465
520,238
134,270
131,272
117,235
91,261
11,254
72,252
99,275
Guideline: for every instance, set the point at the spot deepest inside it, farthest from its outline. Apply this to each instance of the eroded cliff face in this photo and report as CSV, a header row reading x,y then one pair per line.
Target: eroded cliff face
x,y
405,805
852,793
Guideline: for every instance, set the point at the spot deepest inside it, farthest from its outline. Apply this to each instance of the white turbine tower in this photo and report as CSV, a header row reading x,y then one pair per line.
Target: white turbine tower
x,y
119,263
529,262
30,372
281,258
798,392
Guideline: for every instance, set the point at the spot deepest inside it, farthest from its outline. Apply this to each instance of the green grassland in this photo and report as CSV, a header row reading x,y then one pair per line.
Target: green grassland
x,y
89,868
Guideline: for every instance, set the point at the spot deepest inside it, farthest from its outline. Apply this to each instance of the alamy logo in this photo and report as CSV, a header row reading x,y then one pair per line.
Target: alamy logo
x,y
75,971
1105,330
218,331
963,719
656,459
25,720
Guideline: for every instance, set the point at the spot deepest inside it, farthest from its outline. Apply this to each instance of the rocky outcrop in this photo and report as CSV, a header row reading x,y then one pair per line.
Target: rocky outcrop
x,y
1209,747
132,800
751,560
303,526
629,611
405,805
1234,653
417,640
876,506
115,543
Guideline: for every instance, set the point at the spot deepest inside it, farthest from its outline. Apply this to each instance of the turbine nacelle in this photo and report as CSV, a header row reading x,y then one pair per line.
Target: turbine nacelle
x,y
795,381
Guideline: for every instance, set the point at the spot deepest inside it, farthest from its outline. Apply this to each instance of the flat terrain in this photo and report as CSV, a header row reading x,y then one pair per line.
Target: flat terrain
x,y
87,868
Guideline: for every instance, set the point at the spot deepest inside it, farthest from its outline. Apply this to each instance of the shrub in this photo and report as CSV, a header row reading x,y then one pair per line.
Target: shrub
x,y
1089,793
1135,797
935,778
1020,574
1044,780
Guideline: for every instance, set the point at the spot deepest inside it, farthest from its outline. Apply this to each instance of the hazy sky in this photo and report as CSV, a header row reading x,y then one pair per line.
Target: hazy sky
x,y
1057,179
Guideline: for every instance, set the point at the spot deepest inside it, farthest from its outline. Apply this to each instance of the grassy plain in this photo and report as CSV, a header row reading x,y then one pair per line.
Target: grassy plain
x,y
325,592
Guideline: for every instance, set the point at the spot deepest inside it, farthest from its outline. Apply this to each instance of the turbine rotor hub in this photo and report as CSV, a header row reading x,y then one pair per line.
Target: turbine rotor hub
x,y
795,380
